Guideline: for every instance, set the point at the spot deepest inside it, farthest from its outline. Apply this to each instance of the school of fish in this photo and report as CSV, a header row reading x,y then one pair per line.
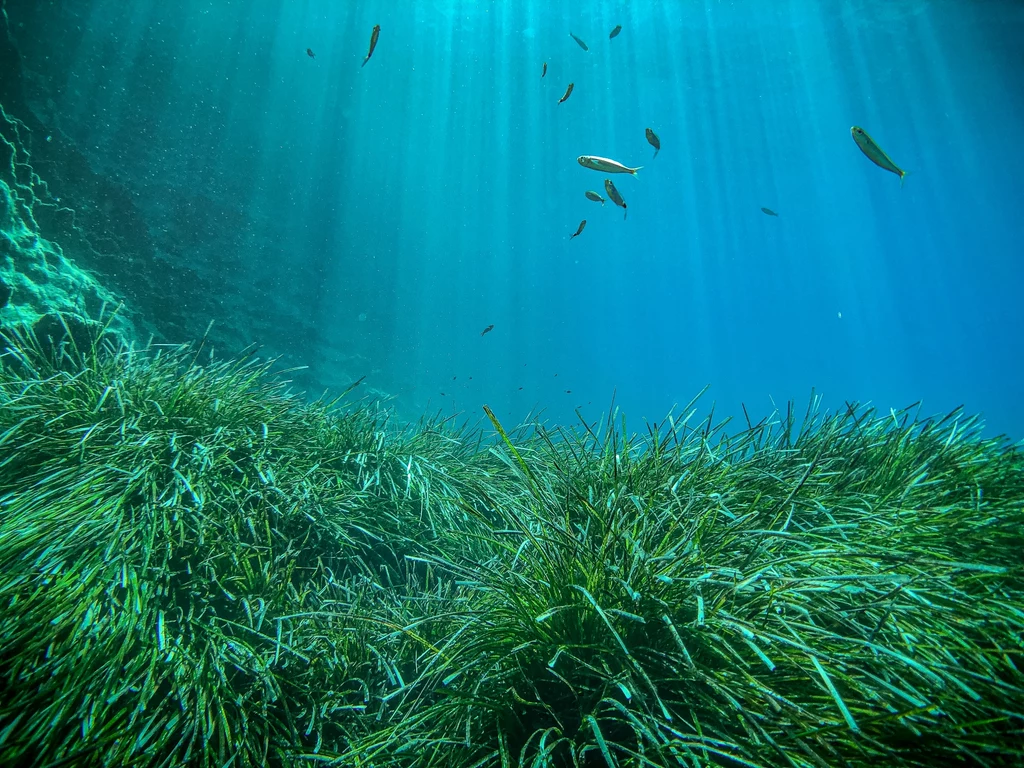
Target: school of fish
x,y
608,166
605,165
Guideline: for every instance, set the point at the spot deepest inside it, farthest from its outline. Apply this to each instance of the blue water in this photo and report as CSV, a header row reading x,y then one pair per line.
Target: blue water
x,y
389,213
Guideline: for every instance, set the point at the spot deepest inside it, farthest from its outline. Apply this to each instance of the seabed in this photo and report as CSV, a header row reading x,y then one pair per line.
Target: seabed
x,y
198,567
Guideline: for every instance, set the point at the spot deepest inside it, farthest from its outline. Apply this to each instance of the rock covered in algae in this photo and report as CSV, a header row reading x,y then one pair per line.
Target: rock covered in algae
x,y
36,277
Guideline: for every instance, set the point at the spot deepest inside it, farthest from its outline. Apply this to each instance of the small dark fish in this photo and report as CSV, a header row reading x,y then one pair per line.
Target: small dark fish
x,y
544,71
354,385
769,212
373,43
615,32
442,394
654,141
568,391
568,92
245,354
309,52
594,196
615,197
454,377
580,229
488,329
579,42
520,387
874,153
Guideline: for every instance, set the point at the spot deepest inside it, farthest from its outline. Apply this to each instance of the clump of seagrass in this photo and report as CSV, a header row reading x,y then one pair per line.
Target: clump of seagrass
x,y
842,591
197,568
191,558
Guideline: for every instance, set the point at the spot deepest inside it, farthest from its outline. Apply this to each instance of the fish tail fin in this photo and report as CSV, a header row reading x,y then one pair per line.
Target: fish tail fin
x,y
903,175
364,61
633,172
656,153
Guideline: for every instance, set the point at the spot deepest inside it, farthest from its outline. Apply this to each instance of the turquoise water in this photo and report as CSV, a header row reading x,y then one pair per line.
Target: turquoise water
x,y
374,220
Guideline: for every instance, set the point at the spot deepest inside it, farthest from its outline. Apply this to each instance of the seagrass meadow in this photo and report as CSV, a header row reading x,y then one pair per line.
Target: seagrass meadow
x,y
199,568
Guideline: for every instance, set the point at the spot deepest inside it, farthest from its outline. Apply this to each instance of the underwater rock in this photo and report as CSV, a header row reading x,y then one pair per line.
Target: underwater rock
x,y
10,87
59,341
38,279
53,330
153,231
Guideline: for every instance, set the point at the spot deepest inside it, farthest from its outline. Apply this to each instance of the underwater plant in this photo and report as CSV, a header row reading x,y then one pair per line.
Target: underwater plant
x,y
199,568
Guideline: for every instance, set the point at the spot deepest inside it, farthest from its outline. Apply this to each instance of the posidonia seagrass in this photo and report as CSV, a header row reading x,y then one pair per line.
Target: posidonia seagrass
x,y
199,568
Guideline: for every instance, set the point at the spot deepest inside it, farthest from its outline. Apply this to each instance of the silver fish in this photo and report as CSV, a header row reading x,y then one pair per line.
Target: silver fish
x,y
605,165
